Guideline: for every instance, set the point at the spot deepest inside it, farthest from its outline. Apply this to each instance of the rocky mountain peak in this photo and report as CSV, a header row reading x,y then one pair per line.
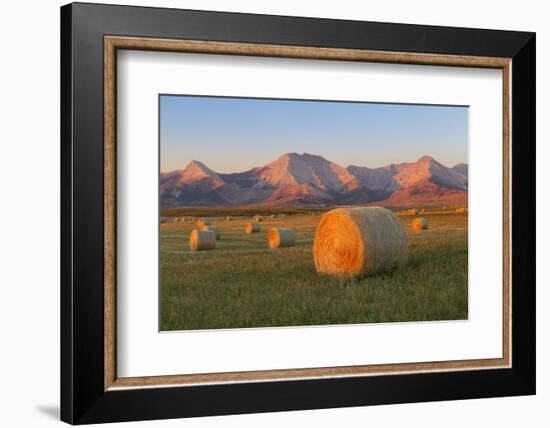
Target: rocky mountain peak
x,y
307,178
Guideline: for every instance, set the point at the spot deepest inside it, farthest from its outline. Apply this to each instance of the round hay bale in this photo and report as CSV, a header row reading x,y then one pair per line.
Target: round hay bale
x,y
202,222
461,210
419,223
359,241
280,237
213,229
252,228
202,240
272,216
258,218
228,219
412,211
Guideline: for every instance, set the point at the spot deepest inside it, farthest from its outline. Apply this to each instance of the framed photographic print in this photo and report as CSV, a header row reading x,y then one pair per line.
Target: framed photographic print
x,y
265,213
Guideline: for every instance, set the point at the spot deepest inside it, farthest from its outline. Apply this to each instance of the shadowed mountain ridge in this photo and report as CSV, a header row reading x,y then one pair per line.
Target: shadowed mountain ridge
x,y
308,179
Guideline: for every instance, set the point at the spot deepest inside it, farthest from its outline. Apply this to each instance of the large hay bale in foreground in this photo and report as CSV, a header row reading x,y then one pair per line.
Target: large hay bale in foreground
x,y
359,241
202,240
419,223
279,237
252,228
202,222
213,229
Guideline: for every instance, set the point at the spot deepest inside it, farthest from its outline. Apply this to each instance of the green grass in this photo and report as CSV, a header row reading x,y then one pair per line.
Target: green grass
x,y
244,284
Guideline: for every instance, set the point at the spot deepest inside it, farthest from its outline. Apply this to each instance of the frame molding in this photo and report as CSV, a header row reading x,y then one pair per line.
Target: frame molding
x,y
90,391
114,43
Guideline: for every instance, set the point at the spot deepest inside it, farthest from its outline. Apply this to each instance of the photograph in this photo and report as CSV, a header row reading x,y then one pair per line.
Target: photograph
x,y
267,211
287,212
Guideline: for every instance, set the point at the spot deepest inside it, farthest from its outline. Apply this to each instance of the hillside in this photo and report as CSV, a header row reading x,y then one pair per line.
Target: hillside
x,y
307,179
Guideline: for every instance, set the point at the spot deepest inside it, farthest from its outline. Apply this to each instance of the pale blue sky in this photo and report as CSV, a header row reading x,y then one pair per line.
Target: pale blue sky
x,y
236,134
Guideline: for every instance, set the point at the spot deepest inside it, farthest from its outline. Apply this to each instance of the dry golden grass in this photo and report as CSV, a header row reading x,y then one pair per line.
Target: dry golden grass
x,y
359,241
280,237
252,228
243,283
214,229
202,240
419,224
202,223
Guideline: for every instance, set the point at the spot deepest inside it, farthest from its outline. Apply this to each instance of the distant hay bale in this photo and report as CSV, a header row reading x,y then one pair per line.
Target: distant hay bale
x,y
461,210
228,218
202,222
272,216
359,241
252,228
412,211
420,223
213,229
202,240
280,237
258,218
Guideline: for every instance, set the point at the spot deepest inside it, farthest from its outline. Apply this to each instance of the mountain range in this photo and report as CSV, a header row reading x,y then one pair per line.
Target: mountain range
x,y
307,179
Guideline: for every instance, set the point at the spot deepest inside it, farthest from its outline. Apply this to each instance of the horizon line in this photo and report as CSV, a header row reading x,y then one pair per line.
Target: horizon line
x,y
312,154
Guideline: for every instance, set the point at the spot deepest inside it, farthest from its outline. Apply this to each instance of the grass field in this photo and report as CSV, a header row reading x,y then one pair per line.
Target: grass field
x,y
242,283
